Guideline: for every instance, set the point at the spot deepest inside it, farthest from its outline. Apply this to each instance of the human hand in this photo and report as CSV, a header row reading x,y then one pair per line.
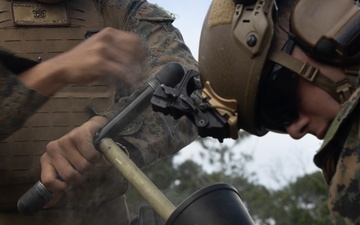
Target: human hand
x,y
72,157
110,52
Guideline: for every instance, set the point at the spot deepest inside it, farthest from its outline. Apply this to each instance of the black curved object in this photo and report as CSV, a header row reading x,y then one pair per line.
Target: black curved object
x,y
217,204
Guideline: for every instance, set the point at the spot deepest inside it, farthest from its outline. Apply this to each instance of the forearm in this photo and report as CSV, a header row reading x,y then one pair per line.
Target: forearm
x,y
18,102
44,78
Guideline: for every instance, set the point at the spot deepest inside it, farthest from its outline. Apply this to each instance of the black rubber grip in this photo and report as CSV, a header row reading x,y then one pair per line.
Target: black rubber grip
x,y
34,199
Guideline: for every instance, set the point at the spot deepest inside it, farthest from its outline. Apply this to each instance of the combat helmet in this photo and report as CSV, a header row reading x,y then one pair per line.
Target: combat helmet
x,y
238,65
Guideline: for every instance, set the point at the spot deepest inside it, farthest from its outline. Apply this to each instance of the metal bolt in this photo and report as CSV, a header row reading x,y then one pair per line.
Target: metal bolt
x,y
251,40
201,123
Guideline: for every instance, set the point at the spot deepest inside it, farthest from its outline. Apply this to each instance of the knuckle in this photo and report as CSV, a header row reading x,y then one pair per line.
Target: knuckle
x,y
52,147
108,30
47,182
83,167
43,158
70,175
95,157
72,137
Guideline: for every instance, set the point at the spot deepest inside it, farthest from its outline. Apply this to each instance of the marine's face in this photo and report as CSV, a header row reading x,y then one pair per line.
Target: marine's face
x,y
316,108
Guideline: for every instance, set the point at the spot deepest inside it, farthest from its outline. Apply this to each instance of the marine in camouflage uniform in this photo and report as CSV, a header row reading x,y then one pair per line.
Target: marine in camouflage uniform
x,y
306,24
100,199
339,158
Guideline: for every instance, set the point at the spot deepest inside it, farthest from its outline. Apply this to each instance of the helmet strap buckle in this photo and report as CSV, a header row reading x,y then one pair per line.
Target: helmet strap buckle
x,y
344,90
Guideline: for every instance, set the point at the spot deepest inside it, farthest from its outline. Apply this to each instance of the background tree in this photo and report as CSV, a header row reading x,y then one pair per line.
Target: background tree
x,y
303,201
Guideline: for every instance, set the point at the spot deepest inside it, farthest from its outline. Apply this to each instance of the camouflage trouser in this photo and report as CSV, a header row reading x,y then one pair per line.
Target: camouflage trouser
x,y
344,198
114,212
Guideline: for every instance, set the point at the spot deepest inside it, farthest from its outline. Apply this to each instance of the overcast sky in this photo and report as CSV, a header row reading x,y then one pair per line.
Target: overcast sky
x,y
275,155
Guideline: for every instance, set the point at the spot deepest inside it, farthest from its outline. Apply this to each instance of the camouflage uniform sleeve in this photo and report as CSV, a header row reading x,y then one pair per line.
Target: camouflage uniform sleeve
x,y
339,158
17,101
153,135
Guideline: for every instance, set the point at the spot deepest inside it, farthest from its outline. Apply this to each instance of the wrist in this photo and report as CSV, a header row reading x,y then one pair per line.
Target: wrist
x,y
43,78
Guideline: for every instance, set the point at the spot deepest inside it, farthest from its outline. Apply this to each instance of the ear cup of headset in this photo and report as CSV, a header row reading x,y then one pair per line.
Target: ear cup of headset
x,y
328,30
325,48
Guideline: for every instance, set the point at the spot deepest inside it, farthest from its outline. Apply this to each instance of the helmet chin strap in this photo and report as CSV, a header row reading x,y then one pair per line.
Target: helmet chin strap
x,y
340,91
353,73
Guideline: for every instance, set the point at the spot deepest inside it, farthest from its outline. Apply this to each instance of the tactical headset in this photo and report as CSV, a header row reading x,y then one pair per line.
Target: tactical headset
x,y
328,30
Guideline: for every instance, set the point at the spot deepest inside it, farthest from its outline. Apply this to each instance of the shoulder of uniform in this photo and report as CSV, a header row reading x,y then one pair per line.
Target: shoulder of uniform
x,y
164,11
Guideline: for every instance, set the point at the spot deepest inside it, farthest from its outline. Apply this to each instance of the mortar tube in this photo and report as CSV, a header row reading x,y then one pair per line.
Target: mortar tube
x,y
116,156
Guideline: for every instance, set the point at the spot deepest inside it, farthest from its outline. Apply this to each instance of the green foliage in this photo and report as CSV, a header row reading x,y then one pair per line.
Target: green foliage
x,y
303,201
